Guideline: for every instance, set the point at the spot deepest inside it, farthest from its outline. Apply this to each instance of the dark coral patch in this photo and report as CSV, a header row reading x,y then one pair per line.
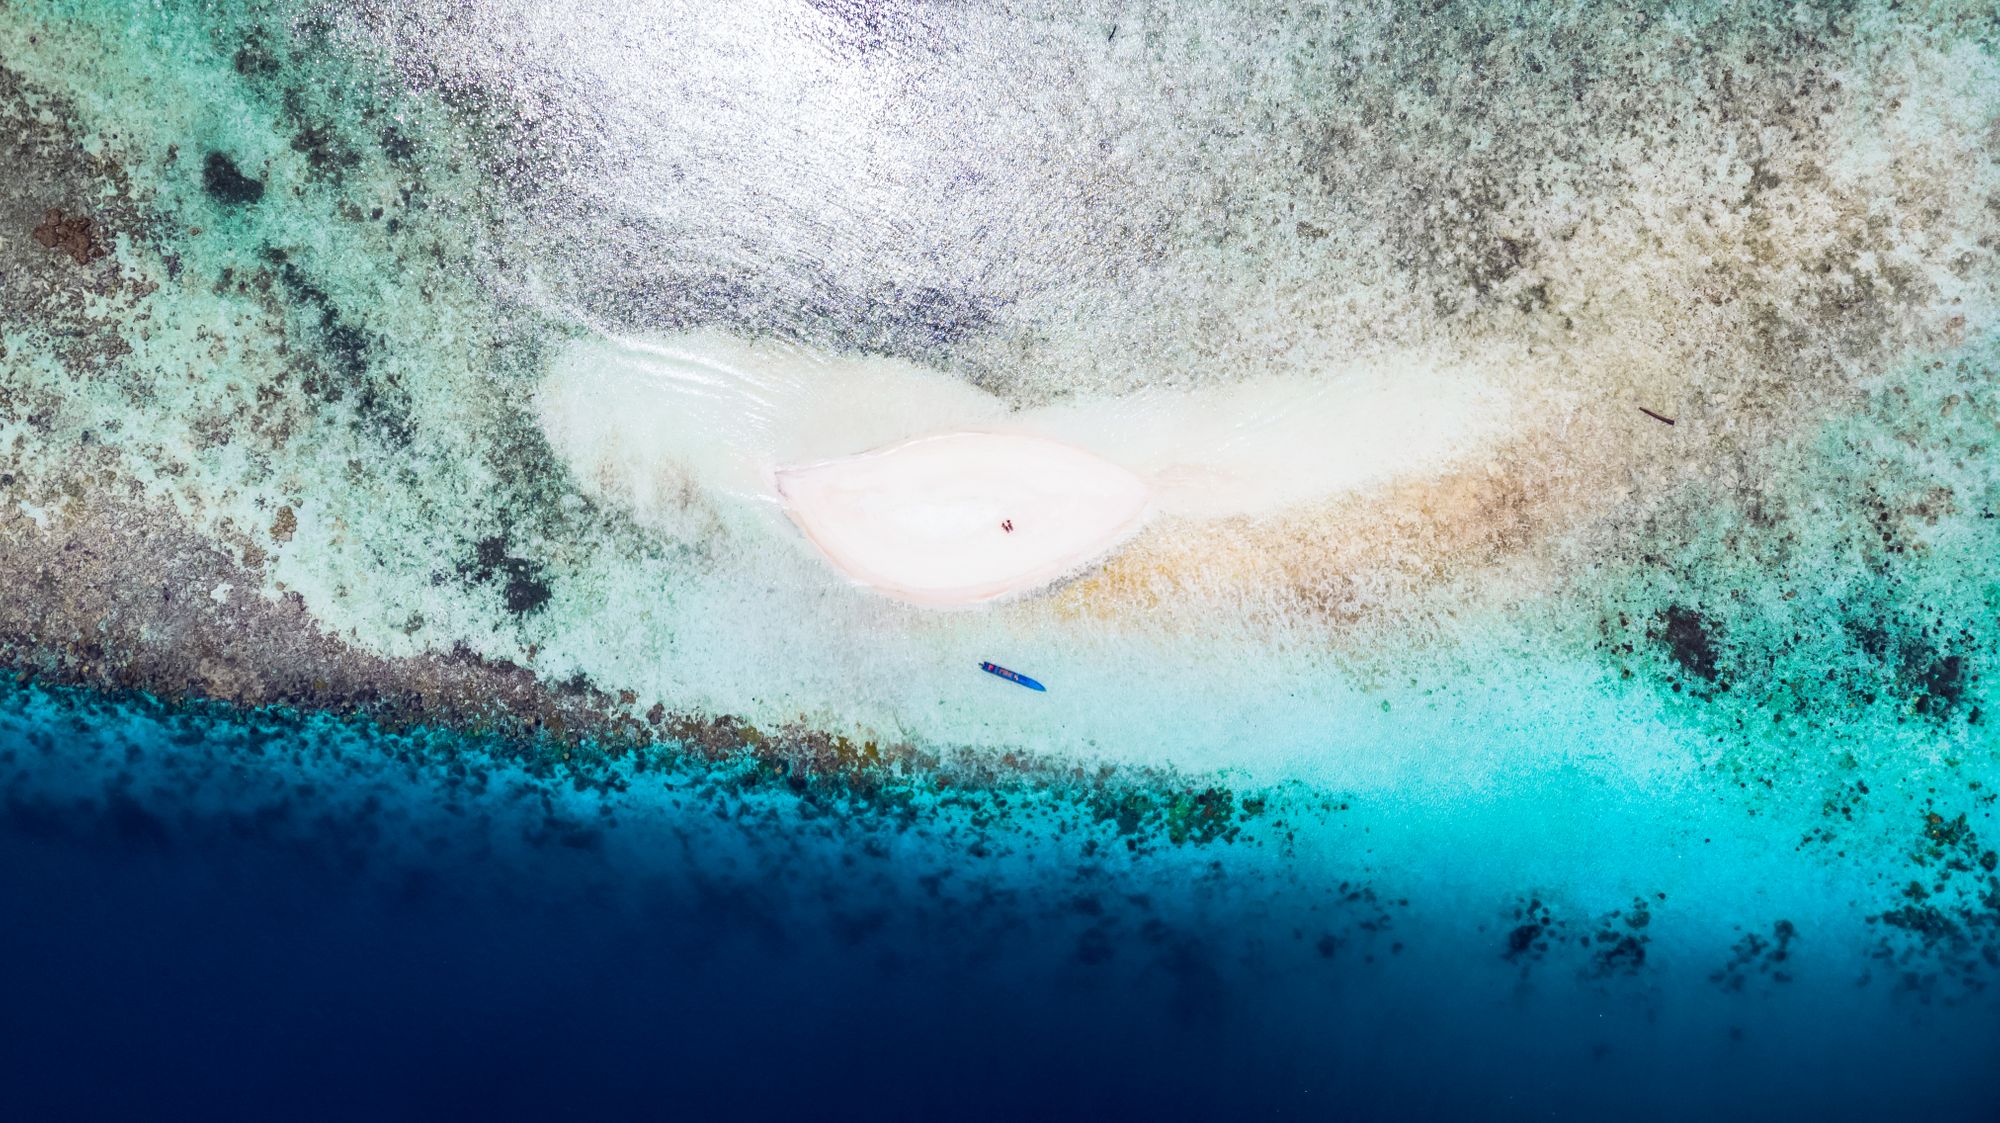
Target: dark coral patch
x,y
226,183
1941,684
1689,638
1758,955
349,353
75,235
522,586
1944,931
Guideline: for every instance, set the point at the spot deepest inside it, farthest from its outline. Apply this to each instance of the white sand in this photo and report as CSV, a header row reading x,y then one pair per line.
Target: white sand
x,y
927,521
709,439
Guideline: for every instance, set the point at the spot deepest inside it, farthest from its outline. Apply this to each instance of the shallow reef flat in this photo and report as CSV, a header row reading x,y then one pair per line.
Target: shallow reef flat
x,y
1562,682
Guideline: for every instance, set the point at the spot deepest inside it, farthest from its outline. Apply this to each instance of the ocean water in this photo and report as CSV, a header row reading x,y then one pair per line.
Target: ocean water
x,y
1557,683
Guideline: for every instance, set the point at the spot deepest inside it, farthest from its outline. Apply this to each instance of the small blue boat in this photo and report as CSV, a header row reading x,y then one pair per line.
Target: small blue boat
x,y
1012,676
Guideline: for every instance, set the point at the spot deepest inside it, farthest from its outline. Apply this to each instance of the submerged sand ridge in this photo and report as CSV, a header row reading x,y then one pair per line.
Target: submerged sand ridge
x,y
961,518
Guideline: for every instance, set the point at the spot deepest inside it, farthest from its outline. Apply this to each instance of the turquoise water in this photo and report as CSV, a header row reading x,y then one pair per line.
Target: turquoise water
x,y
1485,746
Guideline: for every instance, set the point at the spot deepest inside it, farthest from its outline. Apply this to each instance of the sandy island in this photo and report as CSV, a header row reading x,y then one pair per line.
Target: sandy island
x,y
962,518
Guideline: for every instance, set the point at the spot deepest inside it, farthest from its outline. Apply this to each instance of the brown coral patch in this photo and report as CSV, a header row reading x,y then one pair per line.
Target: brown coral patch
x,y
75,235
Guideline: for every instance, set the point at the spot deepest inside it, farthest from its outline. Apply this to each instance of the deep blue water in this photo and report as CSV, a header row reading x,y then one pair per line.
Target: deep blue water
x,y
184,940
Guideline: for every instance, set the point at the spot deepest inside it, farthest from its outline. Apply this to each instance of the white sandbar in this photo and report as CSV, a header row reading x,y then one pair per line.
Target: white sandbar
x,y
927,520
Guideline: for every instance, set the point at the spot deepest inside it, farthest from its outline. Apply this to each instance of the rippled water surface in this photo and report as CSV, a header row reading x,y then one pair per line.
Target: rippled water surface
x,y
1555,681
